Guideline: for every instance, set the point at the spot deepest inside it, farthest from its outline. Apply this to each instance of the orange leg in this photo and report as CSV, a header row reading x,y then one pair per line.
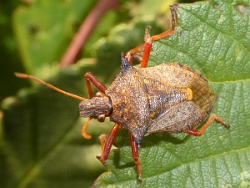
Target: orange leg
x,y
90,78
106,142
135,153
212,118
147,46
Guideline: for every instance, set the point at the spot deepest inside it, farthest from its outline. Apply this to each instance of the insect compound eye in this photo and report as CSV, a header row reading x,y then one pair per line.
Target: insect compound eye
x,y
101,118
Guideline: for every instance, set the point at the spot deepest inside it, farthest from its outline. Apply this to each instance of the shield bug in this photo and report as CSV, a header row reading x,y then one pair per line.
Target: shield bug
x,y
169,97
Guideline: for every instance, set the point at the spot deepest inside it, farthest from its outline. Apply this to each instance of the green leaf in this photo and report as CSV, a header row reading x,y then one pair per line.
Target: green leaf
x,y
212,37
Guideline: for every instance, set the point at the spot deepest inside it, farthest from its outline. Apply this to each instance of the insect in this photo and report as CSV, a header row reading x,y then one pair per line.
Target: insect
x,y
169,97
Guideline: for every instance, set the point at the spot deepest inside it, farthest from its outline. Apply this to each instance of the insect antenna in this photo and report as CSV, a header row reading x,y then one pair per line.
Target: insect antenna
x,y
26,76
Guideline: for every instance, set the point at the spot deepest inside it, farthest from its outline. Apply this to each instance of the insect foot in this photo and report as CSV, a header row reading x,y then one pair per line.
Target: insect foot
x,y
210,120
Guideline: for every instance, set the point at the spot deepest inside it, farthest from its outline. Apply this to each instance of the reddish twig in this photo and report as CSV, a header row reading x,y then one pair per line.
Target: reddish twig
x,y
85,30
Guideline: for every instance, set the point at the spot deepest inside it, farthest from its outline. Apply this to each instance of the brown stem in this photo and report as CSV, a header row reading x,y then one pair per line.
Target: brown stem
x,y
85,30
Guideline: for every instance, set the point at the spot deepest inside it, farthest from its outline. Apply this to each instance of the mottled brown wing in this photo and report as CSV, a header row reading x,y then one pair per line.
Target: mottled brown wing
x,y
184,76
186,114
181,117
173,73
